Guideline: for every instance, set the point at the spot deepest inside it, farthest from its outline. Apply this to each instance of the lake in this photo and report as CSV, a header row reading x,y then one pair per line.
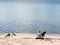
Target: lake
x,y
29,17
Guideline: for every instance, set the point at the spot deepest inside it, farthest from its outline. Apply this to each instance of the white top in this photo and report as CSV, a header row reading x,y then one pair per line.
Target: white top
x,y
39,35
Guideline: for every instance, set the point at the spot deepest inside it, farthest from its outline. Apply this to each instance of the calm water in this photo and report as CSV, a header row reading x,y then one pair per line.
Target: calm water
x,y
29,17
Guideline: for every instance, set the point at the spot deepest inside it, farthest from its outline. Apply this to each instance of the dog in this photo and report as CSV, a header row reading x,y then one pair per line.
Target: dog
x,y
8,35
43,35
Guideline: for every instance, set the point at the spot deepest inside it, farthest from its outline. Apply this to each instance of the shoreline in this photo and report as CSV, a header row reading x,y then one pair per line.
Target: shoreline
x,y
29,39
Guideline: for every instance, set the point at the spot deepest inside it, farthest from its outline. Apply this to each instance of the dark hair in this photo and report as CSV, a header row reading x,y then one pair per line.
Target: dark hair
x,y
39,31
44,32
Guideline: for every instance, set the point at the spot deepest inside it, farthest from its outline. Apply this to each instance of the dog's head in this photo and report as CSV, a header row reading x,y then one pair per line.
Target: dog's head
x,y
44,32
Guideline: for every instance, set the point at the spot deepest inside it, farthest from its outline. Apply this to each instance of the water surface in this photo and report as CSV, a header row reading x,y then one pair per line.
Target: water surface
x,y
29,16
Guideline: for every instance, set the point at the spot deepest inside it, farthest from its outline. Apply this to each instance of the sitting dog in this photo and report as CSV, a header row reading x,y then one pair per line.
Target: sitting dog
x,y
43,35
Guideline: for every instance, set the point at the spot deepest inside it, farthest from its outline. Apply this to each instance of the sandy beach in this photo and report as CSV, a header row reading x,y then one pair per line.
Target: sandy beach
x,y
29,39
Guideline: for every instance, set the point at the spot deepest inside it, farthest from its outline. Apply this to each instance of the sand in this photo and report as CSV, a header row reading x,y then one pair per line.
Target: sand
x,y
29,39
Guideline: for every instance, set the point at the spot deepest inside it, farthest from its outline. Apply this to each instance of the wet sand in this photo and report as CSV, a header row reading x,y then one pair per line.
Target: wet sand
x,y
29,39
